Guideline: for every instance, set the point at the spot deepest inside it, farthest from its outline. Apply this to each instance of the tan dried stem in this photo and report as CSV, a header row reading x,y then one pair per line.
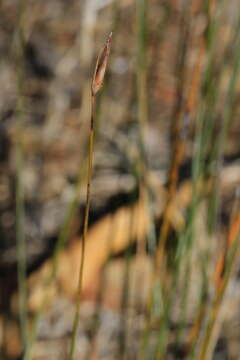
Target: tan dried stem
x,y
97,83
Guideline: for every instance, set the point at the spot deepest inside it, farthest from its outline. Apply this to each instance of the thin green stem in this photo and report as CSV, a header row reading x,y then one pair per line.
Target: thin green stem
x,y
20,211
217,302
61,241
218,150
141,61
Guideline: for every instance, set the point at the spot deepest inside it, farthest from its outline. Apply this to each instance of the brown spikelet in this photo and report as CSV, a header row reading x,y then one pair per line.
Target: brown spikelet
x,y
101,65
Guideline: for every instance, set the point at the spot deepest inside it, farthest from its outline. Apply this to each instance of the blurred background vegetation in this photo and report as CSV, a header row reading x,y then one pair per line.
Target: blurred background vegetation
x,y
161,276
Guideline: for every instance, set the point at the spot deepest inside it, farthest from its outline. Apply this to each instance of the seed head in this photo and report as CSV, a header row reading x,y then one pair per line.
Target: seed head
x,y
100,67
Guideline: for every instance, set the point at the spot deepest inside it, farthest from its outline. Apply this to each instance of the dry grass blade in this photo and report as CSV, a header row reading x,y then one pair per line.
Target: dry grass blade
x,y
214,322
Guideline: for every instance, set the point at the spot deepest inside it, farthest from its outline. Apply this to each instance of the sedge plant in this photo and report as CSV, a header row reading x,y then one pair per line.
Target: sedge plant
x,y
97,82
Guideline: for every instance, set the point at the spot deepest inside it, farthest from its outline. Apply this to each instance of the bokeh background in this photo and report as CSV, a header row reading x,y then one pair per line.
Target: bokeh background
x,y
166,178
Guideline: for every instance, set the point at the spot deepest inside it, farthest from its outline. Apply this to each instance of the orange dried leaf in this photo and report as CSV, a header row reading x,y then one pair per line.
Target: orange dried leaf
x,y
101,65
